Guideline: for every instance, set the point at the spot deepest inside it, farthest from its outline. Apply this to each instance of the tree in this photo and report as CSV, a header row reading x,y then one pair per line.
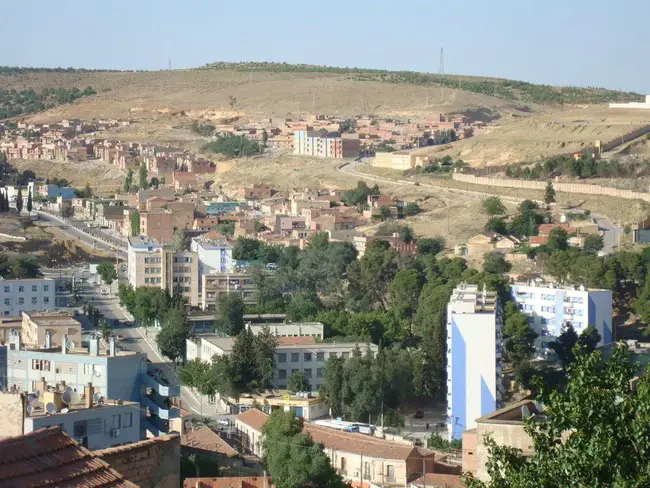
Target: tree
x,y
19,200
173,333
549,193
232,101
229,318
303,305
143,183
292,458
105,330
297,381
495,263
558,240
593,243
128,181
259,226
493,206
150,304
226,227
135,223
265,137
430,245
592,426
25,267
181,240
404,291
411,209
566,343
88,192
370,276
29,201
520,338
496,224
384,213
107,272
332,386
126,295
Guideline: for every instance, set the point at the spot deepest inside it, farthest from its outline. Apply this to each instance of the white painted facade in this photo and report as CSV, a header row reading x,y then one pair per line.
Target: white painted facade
x,y
214,255
473,357
549,308
26,295
637,105
297,329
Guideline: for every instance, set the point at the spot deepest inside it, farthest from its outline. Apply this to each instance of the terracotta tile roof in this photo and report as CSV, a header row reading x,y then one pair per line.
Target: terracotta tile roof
x,y
233,482
253,418
539,240
207,440
137,445
436,480
545,229
49,457
297,341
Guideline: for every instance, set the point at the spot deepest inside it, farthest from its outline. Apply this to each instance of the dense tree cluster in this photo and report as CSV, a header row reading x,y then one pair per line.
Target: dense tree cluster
x,y
18,267
233,146
359,195
205,129
586,166
14,103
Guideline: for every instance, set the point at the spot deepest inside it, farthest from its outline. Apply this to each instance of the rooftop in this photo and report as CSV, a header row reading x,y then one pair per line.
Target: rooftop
x,y
223,343
515,413
229,482
206,439
438,480
296,341
539,283
50,457
468,299
53,319
39,408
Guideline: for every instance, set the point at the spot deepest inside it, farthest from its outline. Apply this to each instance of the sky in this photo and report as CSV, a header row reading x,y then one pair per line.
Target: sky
x,y
560,42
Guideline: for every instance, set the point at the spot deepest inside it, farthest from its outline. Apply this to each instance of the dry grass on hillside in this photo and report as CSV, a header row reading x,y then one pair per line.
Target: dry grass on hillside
x,y
200,93
103,177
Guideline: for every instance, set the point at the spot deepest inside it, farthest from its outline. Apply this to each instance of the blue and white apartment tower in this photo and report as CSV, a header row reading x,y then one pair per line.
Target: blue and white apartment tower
x,y
474,386
550,307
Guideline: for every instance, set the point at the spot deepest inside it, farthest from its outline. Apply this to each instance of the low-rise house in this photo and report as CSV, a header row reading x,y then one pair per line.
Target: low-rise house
x,y
205,442
49,328
361,242
303,405
229,482
256,192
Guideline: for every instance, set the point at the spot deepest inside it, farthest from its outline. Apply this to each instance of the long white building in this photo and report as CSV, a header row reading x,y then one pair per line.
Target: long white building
x,y
26,295
550,307
473,357
214,255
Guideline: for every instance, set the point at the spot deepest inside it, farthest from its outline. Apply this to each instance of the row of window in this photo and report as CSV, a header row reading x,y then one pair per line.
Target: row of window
x,y
548,297
182,269
282,373
573,311
153,280
152,260
21,301
21,288
152,270
185,259
307,356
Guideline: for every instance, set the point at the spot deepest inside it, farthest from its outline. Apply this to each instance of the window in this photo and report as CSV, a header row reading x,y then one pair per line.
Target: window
x,y
332,354
7,289
531,320
88,368
40,365
34,300
345,355
34,288
295,357
307,372
319,372
282,374
21,300
117,423
46,299
308,357
127,420
7,301
320,356
295,371
282,357
21,289
46,287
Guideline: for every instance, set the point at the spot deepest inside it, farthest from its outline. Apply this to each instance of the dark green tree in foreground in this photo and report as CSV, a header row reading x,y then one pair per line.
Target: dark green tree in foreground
x,y
29,202
292,458
597,433
298,382
493,206
19,201
229,318
107,272
174,331
549,193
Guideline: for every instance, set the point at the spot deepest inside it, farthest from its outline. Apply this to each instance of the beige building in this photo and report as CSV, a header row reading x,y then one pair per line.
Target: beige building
x,y
150,264
506,426
353,455
214,285
157,224
49,328
399,161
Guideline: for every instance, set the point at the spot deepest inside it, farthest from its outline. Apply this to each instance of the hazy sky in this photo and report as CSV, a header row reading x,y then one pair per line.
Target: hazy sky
x,y
563,42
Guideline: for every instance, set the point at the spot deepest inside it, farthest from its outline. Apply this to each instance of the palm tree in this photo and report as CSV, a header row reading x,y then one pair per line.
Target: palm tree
x,y
105,330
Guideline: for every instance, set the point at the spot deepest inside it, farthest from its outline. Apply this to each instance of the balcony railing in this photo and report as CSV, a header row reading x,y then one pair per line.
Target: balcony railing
x,y
159,385
164,412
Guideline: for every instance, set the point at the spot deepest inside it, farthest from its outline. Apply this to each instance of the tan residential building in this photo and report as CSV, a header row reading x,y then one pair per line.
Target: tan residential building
x,y
353,455
214,285
506,426
150,264
183,214
157,224
50,328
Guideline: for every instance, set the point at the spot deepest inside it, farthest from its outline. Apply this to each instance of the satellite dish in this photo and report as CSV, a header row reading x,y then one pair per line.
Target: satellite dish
x,y
69,388
67,397
30,398
64,410
29,409
96,396
69,345
97,373
37,393
50,408
100,401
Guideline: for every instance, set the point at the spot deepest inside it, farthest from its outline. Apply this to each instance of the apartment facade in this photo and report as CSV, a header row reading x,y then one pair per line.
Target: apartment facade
x,y
295,329
314,143
214,255
157,224
51,329
474,353
26,295
150,264
550,308
218,284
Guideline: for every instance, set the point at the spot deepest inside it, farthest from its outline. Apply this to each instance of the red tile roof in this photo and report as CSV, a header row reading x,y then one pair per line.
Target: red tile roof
x,y
297,341
436,480
545,229
207,440
49,457
233,482
253,418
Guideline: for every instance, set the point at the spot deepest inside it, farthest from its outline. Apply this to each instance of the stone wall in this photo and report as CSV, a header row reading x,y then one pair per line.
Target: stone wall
x,y
559,187
153,463
11,414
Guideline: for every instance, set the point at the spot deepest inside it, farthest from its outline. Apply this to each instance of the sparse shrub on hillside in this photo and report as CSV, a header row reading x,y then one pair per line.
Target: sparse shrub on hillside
x,y
15,103
585,166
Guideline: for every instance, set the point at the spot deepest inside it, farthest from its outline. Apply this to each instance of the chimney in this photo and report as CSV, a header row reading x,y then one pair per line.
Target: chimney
x,y
90,391
64,341
48,339
111,346
93,349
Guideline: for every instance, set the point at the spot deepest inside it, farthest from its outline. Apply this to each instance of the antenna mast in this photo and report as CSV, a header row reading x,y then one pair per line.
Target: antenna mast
x,y
441,71
170,63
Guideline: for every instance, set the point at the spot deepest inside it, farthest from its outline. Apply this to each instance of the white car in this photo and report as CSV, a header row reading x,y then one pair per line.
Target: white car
x,y
223,422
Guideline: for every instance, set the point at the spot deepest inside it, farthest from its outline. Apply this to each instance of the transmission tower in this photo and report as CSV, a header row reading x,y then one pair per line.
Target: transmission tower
x,y
441,71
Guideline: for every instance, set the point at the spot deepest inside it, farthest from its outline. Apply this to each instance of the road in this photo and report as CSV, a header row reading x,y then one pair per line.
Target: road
x,y
81,231
610,231
135,339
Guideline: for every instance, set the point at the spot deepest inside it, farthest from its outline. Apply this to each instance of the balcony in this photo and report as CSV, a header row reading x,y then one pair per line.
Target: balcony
x,y
159,384
164,412
156,426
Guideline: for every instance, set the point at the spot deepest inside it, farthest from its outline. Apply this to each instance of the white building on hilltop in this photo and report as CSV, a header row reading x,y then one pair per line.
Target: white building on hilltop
x,y
550,308
474,351
637,105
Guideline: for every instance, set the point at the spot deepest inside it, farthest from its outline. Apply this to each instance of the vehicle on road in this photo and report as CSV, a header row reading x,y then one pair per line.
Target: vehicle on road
x,y
223,422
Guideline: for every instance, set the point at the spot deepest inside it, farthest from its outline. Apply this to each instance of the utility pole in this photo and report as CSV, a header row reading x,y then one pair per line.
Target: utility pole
x,y
361,471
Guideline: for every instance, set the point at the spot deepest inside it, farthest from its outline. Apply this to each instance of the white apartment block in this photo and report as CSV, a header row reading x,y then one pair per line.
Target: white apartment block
x,y
297,329
474,352
549,308
292,355
214,256
26,295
